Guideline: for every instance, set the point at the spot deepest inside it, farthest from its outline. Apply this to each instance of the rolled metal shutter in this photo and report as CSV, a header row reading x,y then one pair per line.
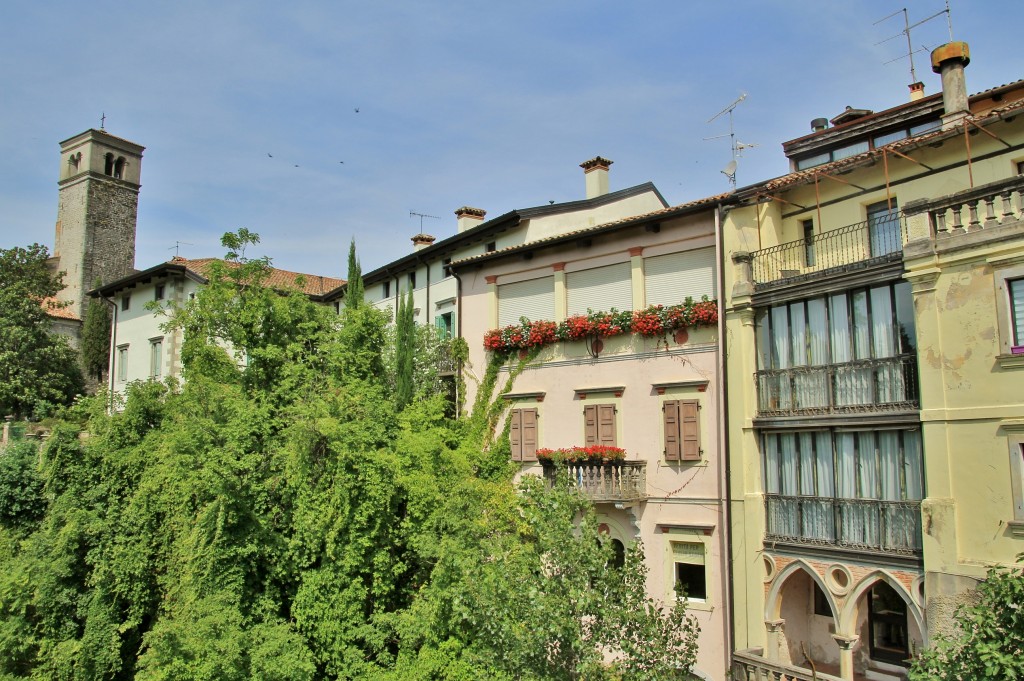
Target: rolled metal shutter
x,y
600,289
533,299
670,279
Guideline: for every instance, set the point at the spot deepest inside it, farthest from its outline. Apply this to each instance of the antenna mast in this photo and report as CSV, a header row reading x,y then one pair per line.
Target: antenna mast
x,y
421,216
735,145
906,32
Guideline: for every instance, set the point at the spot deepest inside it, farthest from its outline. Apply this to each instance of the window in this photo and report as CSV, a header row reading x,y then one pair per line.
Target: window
x,y
1016,290
158,292
337,307
1016,442
386,289
887,615
670,279
888,138
1020,167
599,425
820,605
811,161
884,228
533,299
126,301
412,280
445,268
600,288
122,363
682,430
690,572
119,167
492,246
156,352
522,434
443,322
851,150
108,164
808,231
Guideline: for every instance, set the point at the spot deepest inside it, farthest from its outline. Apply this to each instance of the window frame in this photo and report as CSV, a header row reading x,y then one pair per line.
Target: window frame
x,y
122,363
523,451
156,357
680,445
602,411
158,292
691,538
126,302
1005,274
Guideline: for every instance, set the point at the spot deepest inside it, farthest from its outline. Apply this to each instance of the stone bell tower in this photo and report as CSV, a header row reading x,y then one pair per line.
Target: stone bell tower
x,y
96,212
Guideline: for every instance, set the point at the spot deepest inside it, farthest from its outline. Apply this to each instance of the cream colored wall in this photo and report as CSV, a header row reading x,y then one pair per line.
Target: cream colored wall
x,y
685,502
553,225
138,326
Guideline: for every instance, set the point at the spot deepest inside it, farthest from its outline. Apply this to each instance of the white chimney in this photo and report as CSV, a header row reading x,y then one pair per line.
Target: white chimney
x,y
916,91
950,60
596,173
469,217
421,241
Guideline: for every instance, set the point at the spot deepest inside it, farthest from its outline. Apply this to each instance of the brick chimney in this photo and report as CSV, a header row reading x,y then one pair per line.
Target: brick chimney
x,y
950,60
421,241
595,171
469,217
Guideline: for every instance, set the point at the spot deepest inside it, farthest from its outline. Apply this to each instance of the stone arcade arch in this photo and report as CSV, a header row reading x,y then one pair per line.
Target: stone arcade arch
x,y
792,624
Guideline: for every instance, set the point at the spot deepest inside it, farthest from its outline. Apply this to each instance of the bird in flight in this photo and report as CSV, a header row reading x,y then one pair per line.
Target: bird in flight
x,y
357,109
270,155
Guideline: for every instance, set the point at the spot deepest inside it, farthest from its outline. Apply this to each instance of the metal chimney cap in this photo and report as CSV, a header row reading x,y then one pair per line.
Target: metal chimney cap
x,y
955,50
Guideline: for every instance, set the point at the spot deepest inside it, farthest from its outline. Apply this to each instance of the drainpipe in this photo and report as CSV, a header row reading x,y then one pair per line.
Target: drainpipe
x,y
725,463
113,351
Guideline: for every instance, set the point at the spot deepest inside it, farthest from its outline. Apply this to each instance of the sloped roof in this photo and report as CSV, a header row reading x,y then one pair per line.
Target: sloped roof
x,y
670,211
54,308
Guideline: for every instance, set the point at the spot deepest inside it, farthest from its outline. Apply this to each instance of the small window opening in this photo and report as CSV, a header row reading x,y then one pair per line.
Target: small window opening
x,y
690,582
492,247
108,164
808,229
821,606
386,287
126,302
158,292
412,280
119,167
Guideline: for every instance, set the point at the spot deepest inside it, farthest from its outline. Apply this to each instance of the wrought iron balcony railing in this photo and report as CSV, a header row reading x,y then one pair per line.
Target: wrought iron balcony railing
x,y
888,384
606,481
833,251
862,524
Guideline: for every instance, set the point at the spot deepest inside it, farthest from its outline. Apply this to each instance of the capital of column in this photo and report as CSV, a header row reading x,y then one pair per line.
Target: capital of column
x,y
558,266
491,278
774,626
845,642
635,251
741,256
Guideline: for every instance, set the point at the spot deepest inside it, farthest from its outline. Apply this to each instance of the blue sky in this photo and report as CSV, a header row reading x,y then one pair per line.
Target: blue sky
x,y
492,105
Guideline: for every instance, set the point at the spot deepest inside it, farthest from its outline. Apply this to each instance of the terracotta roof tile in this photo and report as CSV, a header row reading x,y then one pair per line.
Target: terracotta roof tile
x,y
54,308
285,280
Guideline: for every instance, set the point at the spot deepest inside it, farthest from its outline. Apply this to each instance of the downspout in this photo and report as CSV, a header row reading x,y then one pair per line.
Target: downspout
x,y
113,350
723,435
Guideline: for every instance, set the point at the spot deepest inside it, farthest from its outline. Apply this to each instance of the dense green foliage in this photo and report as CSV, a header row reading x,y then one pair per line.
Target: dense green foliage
x,y
275,517
354,283
990,641
38,370
405,350
95,342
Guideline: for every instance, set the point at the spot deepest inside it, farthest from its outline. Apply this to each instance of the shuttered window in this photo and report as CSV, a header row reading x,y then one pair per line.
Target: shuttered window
x,y
522,433
600,289
670,279
599,424
533,299
1017,310
682,430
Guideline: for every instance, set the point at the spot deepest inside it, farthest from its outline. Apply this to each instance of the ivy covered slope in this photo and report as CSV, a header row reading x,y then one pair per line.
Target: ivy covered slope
x,y
281,519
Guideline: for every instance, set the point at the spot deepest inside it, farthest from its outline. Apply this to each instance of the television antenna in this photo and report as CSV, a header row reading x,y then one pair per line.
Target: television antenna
x,y
735,145
421,216
906,33
177,245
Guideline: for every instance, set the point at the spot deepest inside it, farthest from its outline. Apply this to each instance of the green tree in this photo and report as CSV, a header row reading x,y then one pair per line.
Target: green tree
x,y
354,284
989,639
38,369
405,350
95,342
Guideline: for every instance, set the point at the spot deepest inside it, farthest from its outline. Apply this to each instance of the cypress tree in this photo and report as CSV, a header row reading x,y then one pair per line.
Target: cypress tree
x,y
405,349
354,290
95,348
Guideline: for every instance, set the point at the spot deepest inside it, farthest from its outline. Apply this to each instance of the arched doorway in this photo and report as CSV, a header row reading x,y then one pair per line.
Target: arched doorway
x,y
807,614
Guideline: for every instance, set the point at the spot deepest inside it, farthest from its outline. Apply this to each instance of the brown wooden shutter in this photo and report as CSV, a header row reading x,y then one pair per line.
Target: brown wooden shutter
x,y
689,417
606,425
590,424
528,420
673,444
515,434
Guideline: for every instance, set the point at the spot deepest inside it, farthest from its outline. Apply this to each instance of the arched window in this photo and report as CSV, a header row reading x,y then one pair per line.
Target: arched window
x,y
618,554
108,166
119,167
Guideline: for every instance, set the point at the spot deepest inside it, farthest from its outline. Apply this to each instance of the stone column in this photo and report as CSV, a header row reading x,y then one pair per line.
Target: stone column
x,y
744,285
776,639
492,300
561,303
636,264
846,646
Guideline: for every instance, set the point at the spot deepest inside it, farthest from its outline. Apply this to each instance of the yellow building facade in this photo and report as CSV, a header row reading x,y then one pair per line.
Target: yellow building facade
x,y
874,312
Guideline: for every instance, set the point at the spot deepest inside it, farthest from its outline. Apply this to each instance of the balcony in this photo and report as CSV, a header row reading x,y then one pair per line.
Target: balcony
x,y
891,527
836,251
613,481
888,384
974,210
751,665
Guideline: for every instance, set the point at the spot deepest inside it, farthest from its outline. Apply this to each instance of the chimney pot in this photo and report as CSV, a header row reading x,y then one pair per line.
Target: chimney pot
x,y
819,124
469,217
595,171
421,241
949,60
